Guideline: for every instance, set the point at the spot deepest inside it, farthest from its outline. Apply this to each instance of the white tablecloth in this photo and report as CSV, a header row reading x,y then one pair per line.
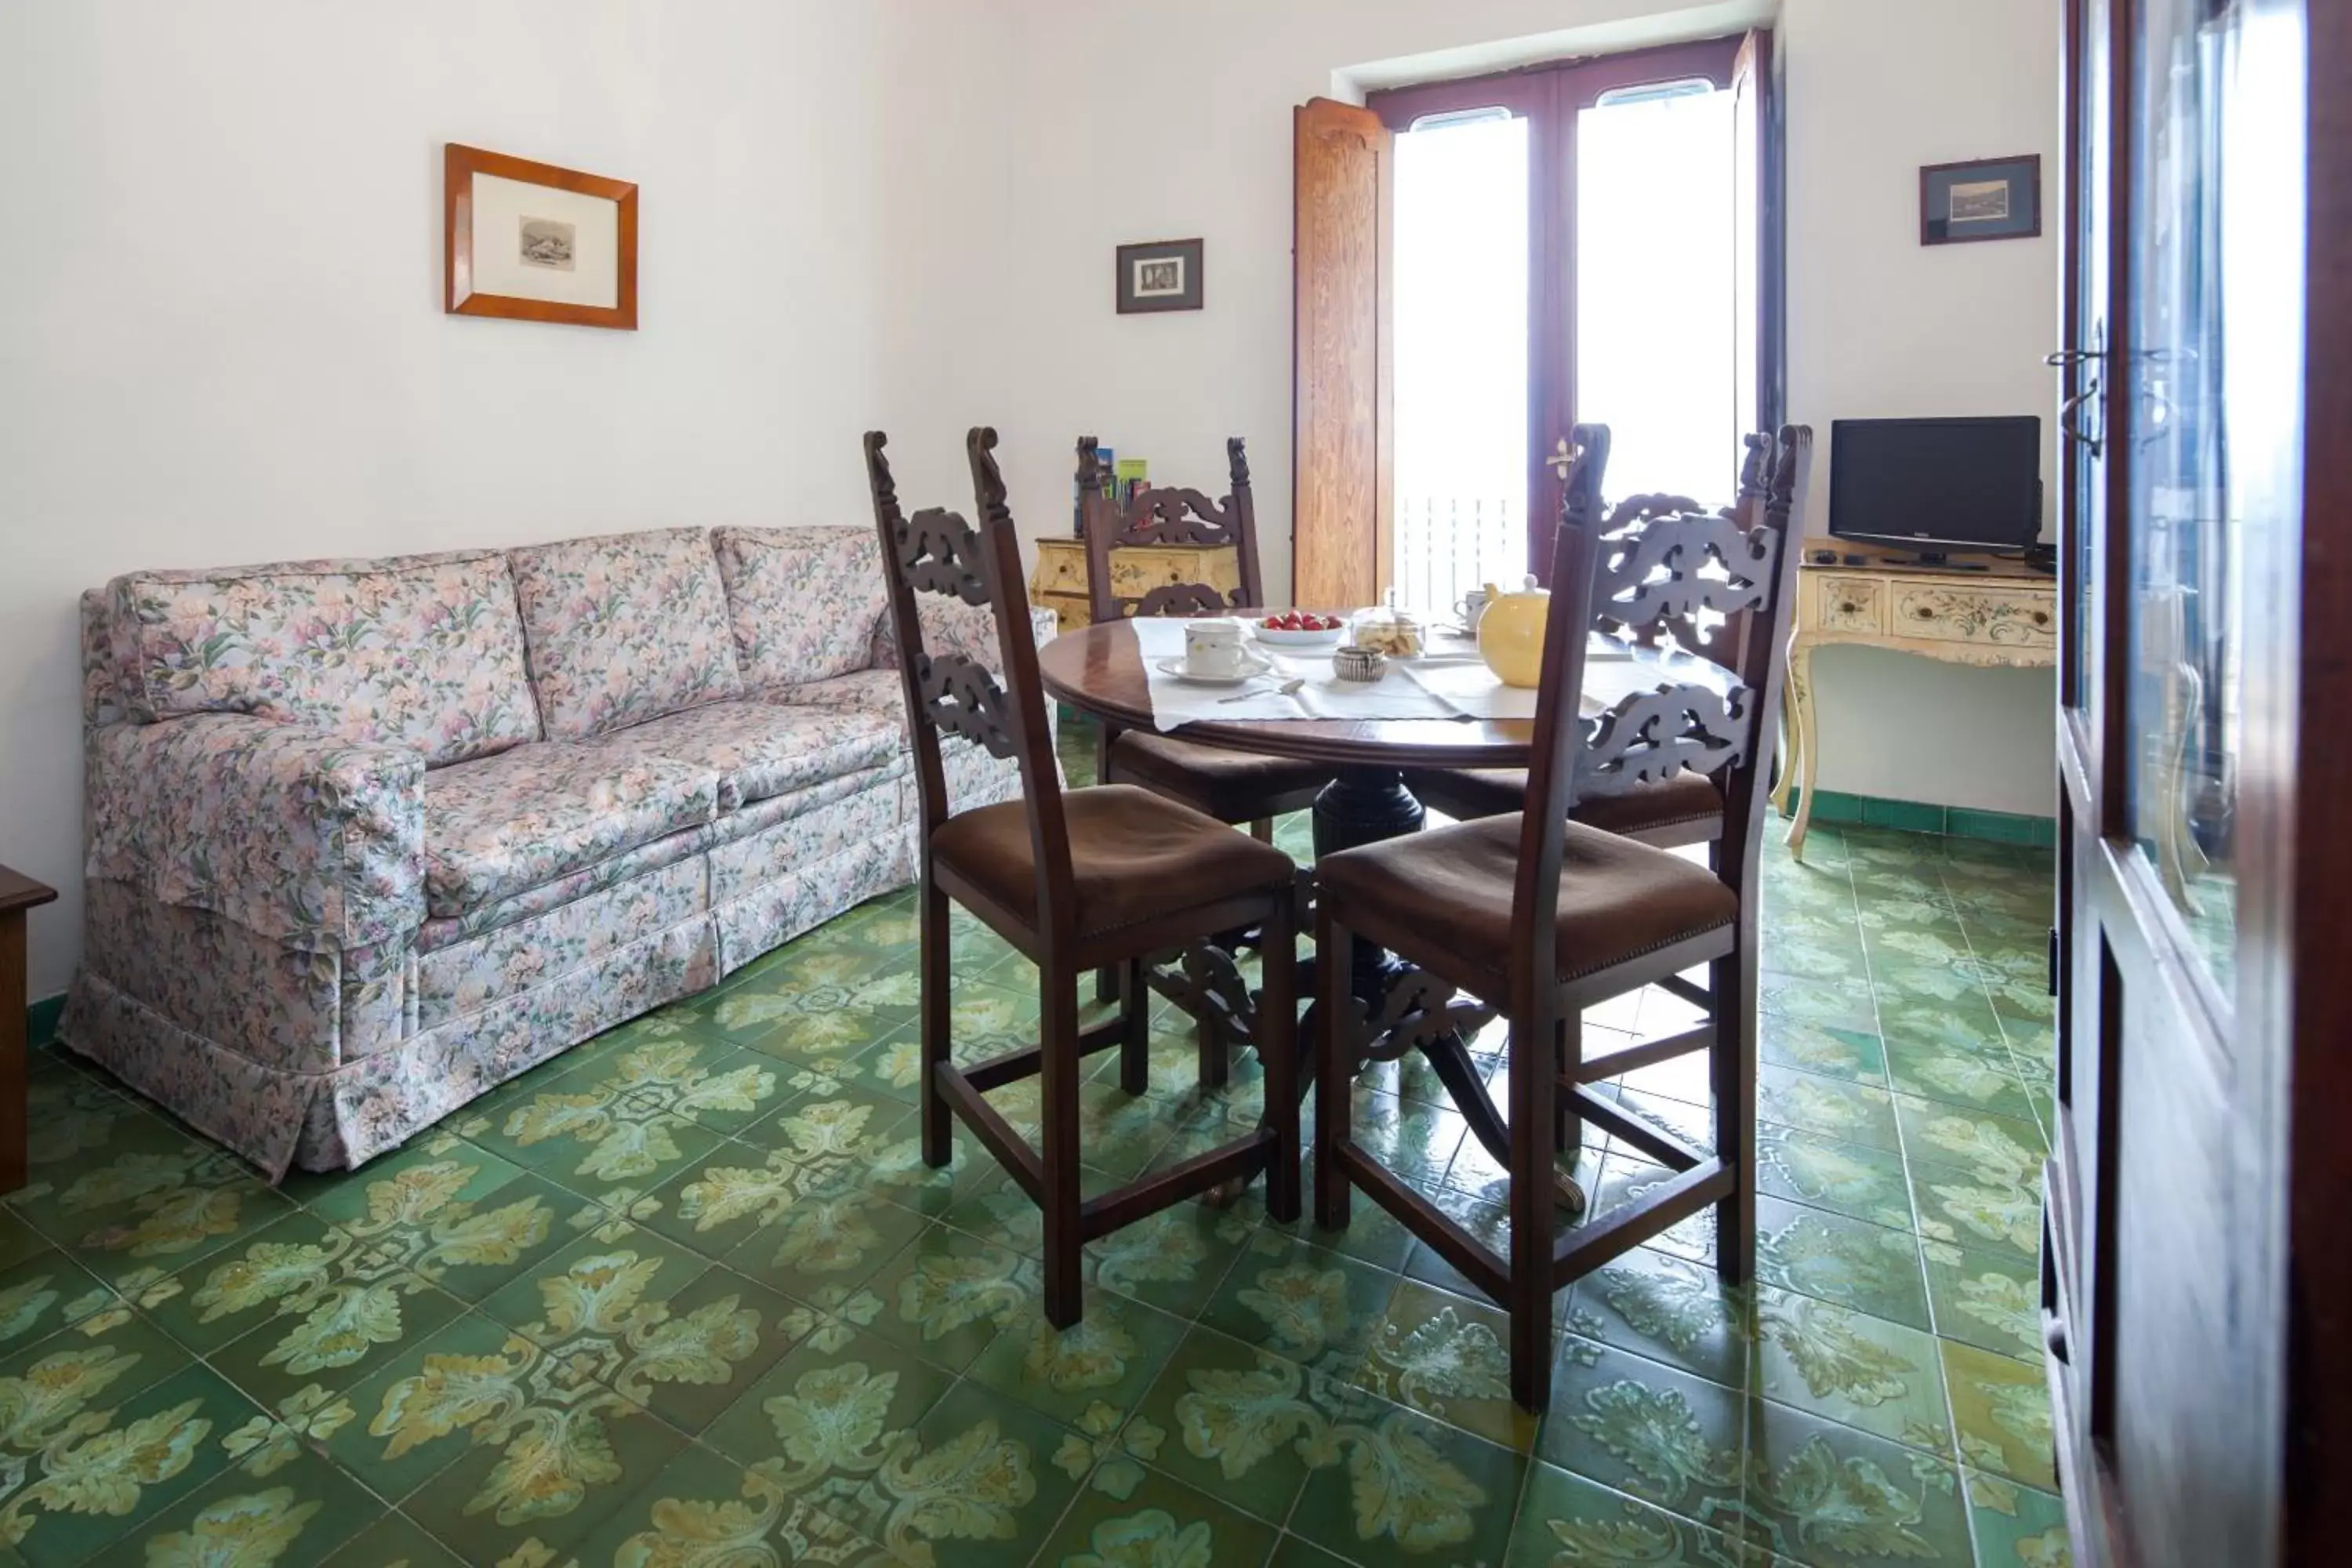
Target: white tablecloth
x,y
1450,683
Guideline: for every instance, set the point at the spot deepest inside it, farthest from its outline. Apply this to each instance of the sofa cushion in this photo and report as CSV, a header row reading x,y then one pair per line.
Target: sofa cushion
x,y
505,825
875,692
759,749
623,628
805,601
424,651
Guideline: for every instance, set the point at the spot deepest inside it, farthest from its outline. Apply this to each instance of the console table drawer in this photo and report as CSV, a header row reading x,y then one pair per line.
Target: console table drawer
x,y
2000,617
1849,605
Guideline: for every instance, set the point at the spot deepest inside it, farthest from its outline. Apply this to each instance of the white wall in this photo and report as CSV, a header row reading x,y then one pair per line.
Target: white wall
x,y
1138,122
221,335
1881,325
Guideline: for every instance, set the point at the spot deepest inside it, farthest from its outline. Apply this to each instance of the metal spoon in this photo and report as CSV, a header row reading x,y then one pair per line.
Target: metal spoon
x,y
1287,688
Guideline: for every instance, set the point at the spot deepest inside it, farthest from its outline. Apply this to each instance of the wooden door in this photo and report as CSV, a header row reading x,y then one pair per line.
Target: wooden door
x,y
1339,498
2204,674
1758,187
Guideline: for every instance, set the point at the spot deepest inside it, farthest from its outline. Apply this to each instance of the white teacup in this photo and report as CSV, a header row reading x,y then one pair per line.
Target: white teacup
x,y
1213,650
1472,605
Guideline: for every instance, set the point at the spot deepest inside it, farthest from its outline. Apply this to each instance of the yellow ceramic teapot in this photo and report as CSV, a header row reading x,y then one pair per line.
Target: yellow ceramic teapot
x,y
1511,633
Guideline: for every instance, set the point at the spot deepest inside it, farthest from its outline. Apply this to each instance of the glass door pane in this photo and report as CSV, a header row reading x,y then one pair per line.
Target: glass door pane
x,y
1656,353
1461,342
2213,440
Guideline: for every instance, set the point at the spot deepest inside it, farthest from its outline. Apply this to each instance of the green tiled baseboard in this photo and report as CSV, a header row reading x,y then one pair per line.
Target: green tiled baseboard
x,y
41,1020
1911,816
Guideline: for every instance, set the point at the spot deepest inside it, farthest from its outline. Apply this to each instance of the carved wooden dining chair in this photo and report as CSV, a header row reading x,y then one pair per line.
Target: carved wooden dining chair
x,y
1076,879
1687,808
1542,916
1238,787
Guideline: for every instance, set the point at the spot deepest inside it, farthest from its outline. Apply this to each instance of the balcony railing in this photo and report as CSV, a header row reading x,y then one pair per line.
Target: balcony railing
x,y
1447,545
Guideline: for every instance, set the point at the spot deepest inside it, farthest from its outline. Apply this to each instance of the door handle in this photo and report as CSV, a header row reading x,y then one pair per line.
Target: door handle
x,y
2066,359
2089,441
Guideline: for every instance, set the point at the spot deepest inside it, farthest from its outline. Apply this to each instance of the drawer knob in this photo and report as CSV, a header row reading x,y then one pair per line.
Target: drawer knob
x,y
1845,609
1925,614
2041,618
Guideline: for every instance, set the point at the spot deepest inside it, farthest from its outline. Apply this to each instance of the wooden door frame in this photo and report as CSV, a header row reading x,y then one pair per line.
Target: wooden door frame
x,y
1551,95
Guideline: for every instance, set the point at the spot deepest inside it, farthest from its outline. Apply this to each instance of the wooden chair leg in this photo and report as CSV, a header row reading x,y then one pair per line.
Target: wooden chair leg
x,y
1535,1102
1732,1062
1216,1054
1334,1081
1263,830
1567,1130
1278,1048
1107,985
1057,1115
1135,1030
938,1122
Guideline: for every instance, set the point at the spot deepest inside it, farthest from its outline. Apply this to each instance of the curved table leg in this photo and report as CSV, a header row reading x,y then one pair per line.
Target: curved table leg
x,y
1786,784
1800,696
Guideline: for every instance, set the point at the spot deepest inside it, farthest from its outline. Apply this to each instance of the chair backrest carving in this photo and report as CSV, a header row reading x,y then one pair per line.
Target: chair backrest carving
x,y
1167,515
938,552
1663,571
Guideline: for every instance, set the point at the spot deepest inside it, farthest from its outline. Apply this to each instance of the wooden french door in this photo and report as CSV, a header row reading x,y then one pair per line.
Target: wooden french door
x,y
2202,852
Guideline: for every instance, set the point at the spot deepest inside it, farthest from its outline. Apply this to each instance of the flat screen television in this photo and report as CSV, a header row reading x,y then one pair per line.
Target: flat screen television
x,y
1933,485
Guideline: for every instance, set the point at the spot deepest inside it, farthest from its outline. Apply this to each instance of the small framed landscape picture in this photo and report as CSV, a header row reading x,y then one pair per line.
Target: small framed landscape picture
x,y
536,243
1989,198
1163,276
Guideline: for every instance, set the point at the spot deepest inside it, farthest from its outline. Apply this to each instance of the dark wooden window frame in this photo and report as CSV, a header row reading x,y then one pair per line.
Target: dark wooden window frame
x,y
1549,96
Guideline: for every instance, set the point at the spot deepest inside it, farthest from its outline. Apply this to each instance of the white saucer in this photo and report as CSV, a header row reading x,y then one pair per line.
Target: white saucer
x,y
1174,668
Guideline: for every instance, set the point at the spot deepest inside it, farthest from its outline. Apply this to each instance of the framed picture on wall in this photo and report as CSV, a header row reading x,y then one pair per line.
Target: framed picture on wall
x,y
1988,198
1164,274
536,243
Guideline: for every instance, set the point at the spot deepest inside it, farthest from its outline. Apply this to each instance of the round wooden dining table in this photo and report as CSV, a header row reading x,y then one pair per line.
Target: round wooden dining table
x,y
1098,671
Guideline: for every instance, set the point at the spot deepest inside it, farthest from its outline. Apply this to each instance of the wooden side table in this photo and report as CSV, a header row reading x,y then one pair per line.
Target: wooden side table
x,y
19,894
1059,582
2004,617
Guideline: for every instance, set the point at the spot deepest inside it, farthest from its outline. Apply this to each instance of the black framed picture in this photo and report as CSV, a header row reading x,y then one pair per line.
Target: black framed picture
x,y
1164,274
1987,198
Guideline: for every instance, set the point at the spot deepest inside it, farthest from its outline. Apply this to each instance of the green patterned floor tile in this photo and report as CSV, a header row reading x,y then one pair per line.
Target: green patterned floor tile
x,y
103,1359
2017,1527
842,1390
491,1442
1627,1178
1950,1135
1847,1262
1407,1488
1448,1357
1175,1259
1684,1078
589,1138
703,1508
1851,1179
1096,1371
1566,1519
1414,1139
274,1511
988,1478
392,1540
1803,1001
1831,1052
1237,1422
2001,1408
1293,1552
1664,1437
71,1116
153,1200
1984,1207
1834,1108
1987,1299
948,1294
92,1476
43,1292
18,1240
458,1214
1822,1493
1853,1369
1301,1301
1126,1514
1667,1309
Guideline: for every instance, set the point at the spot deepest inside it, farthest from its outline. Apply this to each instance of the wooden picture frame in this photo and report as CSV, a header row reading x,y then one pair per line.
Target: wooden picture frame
x,y
1980,199
1161,275
479,283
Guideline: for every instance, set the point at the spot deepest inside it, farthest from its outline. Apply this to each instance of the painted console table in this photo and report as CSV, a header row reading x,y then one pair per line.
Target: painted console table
x,y
2003,616
17,894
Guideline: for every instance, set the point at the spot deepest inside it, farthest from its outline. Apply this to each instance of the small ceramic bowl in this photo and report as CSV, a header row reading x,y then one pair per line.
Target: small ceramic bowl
x,y
1358,664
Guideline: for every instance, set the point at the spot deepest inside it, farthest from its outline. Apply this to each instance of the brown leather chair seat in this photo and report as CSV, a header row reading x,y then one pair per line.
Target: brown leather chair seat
x,y
1134,857
1618,899
1687,800
1232,786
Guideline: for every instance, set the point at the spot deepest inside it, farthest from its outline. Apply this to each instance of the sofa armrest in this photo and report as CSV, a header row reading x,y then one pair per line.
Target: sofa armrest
x,y
300,836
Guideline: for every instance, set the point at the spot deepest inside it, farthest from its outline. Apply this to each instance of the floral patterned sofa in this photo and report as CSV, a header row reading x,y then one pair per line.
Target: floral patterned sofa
x,y
367,838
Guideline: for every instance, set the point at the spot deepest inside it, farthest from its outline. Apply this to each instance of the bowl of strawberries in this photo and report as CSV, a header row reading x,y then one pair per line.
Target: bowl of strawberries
x,y
1299,628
